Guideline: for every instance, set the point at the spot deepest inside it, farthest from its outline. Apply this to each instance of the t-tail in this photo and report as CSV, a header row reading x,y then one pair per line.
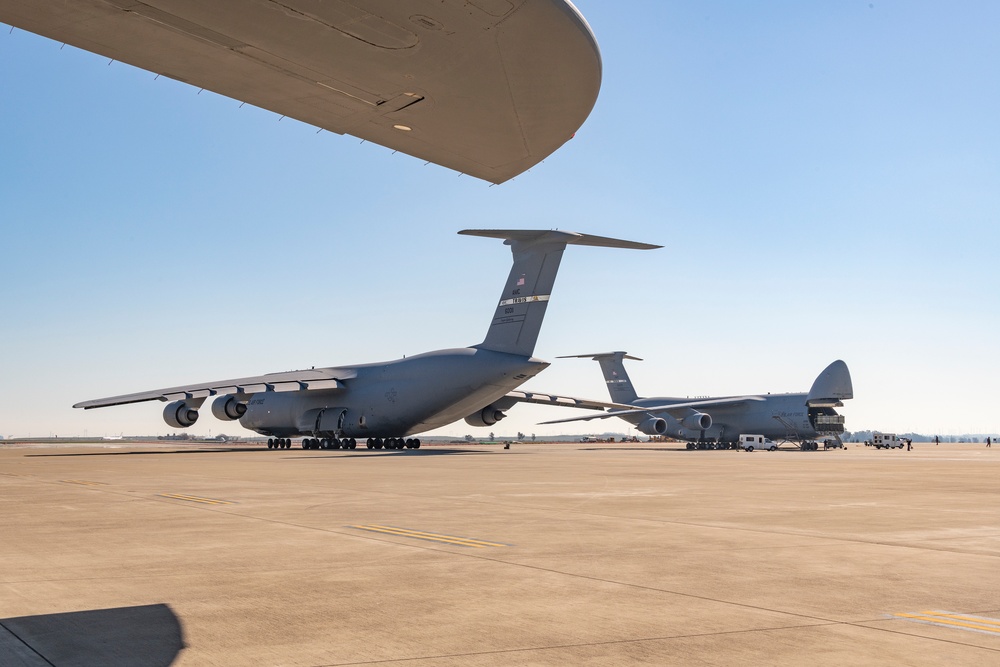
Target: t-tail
x,y
537,253
619,385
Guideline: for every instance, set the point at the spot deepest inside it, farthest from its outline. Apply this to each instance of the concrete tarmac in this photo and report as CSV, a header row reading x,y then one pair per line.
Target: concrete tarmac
x,y
544,554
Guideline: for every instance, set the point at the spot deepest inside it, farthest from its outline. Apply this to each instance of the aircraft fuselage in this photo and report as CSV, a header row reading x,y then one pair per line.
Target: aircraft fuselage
x,y
778,416
394,398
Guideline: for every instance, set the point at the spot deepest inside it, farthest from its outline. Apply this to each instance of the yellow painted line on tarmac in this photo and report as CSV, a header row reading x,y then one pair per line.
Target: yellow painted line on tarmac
x,y
949,619
196,499
433,537
83,482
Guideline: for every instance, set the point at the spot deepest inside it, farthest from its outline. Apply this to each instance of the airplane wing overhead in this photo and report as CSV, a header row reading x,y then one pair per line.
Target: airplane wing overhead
x,y
485,87
316,378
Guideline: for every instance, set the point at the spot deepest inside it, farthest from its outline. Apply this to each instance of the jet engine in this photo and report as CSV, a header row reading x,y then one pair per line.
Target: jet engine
x,y
697,421
227,408
653,426
180,415
488,416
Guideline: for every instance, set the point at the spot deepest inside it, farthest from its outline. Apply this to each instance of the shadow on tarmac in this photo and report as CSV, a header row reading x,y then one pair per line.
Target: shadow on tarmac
x,y
150,636
632,449
328,454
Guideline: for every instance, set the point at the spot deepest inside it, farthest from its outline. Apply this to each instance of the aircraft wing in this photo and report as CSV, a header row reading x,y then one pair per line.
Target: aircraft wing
x,y
678,410
485,87
518,396
316,378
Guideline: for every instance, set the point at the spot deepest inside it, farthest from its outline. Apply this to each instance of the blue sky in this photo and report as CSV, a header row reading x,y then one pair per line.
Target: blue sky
x,y
825,178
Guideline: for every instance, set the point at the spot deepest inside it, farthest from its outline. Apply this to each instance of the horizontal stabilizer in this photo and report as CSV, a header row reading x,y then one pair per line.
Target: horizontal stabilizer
x,y
557,236
597,356
314,378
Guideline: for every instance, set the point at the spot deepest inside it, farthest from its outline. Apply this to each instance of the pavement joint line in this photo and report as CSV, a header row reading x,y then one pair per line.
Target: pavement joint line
x,y
196,499
556,647
639,640
817,619
434,537
83,482
953,620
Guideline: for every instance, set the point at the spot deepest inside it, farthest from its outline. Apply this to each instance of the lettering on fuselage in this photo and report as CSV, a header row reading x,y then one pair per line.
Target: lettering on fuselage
x,y
524,299
257,401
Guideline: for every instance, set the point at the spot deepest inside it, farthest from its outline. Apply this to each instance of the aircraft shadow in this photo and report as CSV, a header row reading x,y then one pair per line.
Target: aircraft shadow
x,y
632,449
148,636
216,450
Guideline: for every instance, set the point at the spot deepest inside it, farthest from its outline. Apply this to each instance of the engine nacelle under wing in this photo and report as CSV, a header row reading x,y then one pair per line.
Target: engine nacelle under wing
x,y
697,421
488,416
653,426
180,415
227,408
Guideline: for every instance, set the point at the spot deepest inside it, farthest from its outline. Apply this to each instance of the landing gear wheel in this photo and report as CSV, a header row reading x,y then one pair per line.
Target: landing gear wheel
x,y
371,443
416,443
378,443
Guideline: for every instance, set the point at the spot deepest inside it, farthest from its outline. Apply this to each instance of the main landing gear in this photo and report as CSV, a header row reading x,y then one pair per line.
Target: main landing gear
x,y
329,443
345,443
393,443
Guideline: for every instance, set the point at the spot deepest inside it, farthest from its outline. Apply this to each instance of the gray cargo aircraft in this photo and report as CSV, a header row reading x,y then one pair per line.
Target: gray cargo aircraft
x,y
799,417
485,88
386,402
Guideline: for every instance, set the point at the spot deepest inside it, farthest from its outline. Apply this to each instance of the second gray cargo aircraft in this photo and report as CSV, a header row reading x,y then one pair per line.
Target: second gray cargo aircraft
x,y
386,402
801,417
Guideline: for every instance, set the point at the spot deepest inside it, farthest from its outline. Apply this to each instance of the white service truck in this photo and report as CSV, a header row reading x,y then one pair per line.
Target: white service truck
x,y
886,440
749,442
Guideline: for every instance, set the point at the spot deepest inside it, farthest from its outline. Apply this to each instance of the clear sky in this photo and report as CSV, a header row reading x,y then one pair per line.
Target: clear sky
x,y
824,176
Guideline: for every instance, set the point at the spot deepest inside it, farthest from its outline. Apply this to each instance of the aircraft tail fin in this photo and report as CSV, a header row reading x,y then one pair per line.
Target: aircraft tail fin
x,y
831,386
537,253
619,385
